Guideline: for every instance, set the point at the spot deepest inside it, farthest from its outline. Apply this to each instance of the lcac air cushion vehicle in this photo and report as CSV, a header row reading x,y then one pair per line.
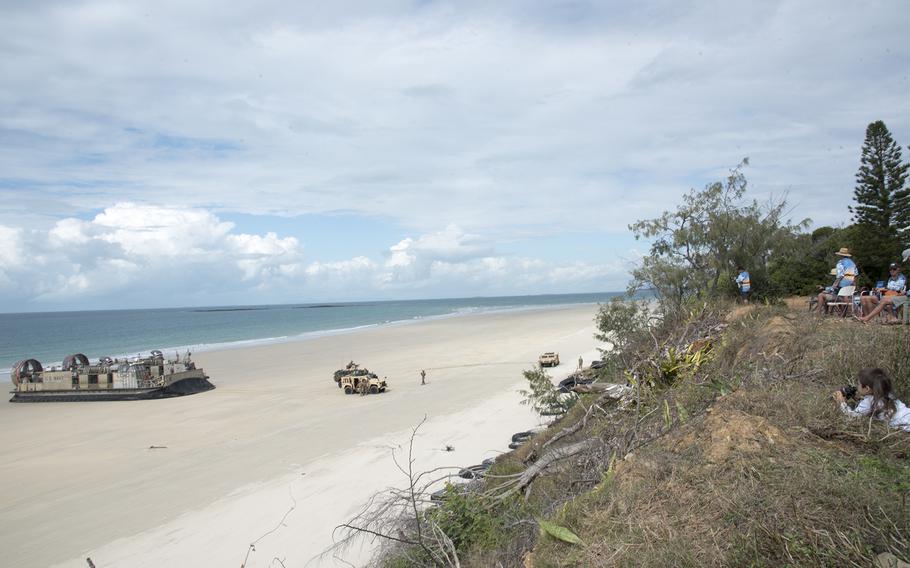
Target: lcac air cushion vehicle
x,y
125,379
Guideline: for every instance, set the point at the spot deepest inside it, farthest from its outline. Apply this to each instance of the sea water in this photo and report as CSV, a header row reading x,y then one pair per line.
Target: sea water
x,y
51,336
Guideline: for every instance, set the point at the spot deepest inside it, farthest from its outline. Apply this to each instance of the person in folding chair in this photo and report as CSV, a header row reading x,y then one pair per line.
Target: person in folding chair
x,y
898,301
845,276
896,286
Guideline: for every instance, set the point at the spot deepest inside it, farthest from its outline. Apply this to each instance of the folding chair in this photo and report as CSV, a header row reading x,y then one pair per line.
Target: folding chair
x,y
843,301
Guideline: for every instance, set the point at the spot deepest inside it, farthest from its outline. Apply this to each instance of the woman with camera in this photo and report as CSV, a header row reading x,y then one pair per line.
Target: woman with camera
x,y
877,399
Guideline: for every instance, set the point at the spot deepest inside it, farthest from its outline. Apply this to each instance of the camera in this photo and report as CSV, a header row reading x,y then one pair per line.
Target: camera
x,y
848,391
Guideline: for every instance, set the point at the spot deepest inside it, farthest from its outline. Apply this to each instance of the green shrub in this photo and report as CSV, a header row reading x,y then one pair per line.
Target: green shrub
x,y
543,397
467,519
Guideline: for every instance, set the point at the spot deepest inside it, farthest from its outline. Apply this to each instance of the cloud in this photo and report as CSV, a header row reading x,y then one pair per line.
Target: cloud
x,y
413,259
10,253
132,255
519,114
463,263
466,127
142,253
355,276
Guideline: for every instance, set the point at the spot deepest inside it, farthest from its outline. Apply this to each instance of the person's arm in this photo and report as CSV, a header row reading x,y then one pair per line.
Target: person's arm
x,y
841,272
863,409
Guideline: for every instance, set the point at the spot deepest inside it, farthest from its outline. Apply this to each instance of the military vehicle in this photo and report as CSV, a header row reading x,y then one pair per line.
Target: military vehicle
x,y
138,378
352,369
549,359
363,384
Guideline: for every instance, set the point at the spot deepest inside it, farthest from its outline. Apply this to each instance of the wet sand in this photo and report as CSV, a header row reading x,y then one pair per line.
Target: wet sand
x,y
275,438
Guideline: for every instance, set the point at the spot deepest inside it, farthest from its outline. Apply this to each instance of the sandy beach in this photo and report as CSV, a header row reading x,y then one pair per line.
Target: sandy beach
x,y
276,454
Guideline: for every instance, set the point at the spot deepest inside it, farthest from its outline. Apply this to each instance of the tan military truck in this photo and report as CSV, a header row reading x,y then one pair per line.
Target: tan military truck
x,y
549,359
364,384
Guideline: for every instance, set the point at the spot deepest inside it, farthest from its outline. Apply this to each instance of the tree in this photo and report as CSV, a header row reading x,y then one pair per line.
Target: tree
x,y
882,210
800,268
696,249
622,324
543,397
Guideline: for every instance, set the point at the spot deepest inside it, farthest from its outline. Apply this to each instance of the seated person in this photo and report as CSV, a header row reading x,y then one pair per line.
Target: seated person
x,y
845,275
901,301
897,285
878,400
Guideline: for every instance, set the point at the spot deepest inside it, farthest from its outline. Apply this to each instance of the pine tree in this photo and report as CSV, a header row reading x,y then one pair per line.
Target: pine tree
x,y
882,210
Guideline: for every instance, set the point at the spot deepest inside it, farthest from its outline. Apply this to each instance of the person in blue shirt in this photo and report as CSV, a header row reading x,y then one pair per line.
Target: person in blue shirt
x,y
744,283
896,286
899,299
845,275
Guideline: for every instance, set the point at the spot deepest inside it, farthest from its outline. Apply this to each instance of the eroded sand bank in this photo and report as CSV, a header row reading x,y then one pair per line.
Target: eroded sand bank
x,y
81,480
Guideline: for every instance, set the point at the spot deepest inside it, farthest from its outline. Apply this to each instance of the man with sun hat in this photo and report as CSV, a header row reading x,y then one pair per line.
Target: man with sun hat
x,y
845,275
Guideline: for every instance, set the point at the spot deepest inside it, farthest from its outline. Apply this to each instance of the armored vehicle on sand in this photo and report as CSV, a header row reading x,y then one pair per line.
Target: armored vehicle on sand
x,y
362,384
354,379
549,359
352,369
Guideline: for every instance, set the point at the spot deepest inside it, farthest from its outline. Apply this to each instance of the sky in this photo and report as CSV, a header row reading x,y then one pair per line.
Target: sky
x,y
177,153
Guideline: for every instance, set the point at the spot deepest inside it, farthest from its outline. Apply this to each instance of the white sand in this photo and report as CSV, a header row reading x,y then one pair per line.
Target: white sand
x,y
79,480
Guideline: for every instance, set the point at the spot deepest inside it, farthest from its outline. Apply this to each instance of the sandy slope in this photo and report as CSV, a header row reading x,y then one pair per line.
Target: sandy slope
x,y
81,480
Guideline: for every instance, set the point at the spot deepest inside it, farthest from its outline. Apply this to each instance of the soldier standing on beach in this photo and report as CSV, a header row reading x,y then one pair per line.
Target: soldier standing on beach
x,y
423,377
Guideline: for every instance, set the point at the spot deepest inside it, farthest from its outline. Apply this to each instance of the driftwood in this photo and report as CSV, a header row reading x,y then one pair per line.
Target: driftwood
x,y
547,460
609,390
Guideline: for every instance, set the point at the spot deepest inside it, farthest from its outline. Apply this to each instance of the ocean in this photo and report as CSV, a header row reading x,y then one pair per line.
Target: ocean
x,y
51,336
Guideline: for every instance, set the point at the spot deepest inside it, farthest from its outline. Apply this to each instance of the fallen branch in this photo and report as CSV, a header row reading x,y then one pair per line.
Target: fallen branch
x,y
571,429
375,533
608,390
546,461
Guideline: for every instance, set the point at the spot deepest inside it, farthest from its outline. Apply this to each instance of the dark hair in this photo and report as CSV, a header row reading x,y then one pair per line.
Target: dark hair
x,y
882,399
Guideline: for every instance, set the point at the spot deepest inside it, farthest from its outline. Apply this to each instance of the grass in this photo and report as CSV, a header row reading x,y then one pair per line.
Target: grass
x,y
775,475
741,460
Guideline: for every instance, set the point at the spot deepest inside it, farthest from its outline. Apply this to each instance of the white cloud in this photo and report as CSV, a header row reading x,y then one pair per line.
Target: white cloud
x,y
467,126
10,256
462,263
497,117
412,260
145,255
356,278
152,231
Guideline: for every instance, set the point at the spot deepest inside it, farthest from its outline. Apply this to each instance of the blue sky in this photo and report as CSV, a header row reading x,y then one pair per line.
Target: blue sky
x,y
178,153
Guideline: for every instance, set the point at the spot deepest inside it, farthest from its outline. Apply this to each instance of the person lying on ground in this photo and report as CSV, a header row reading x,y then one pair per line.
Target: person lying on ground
x,y
845,276
878,400
897,285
